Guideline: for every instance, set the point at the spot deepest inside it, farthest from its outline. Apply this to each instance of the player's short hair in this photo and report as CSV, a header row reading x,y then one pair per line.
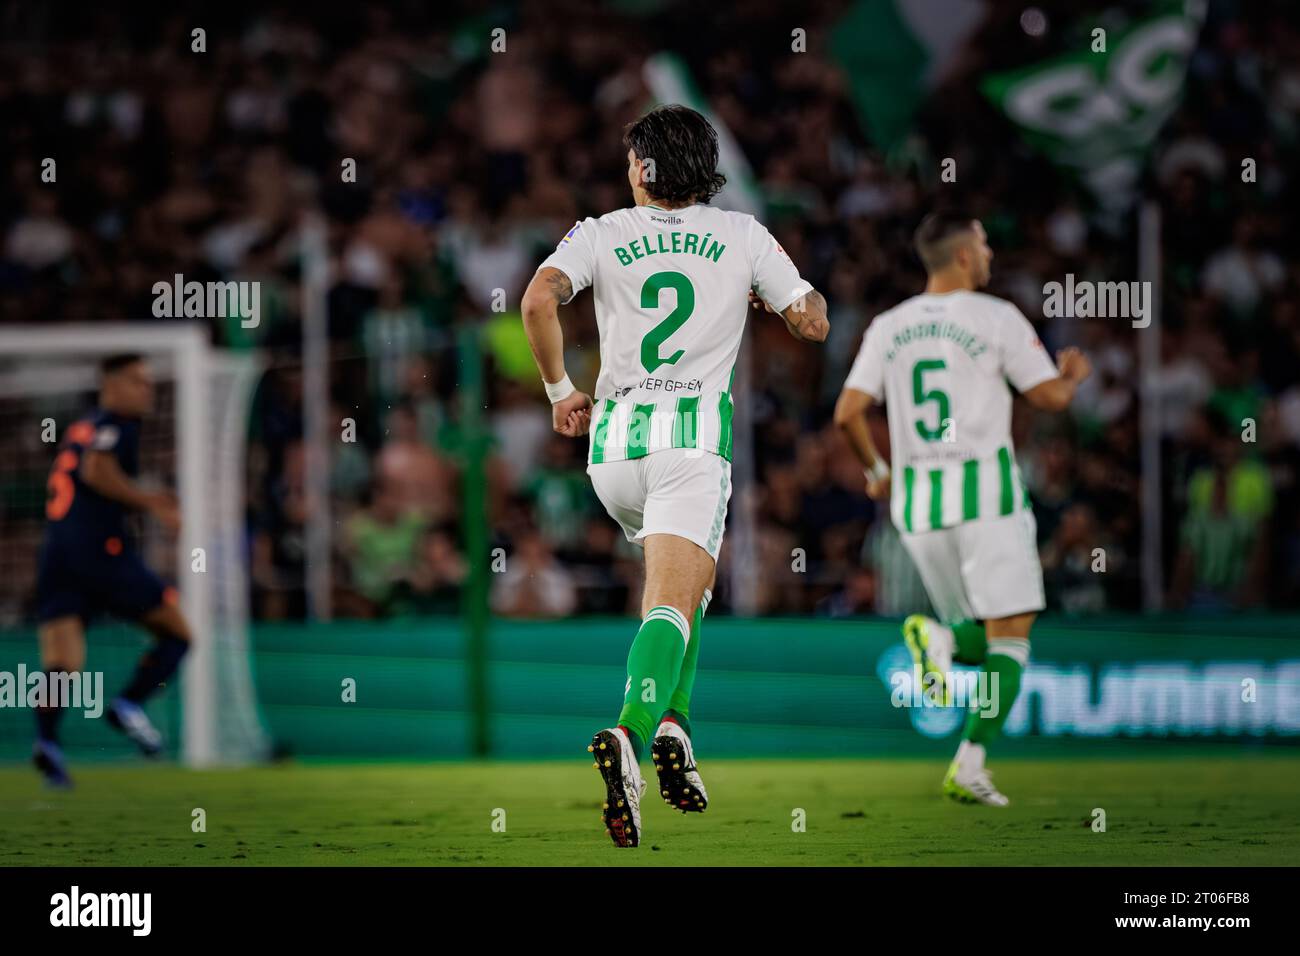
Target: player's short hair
x,y
934,238
119,361
684,148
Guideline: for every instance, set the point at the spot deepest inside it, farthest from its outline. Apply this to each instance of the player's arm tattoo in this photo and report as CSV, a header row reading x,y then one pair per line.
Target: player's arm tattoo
x,y
806,317
559,286
547,290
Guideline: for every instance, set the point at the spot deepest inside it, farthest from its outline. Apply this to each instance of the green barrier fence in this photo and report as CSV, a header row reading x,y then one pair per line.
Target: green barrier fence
x,y
765,687
112,651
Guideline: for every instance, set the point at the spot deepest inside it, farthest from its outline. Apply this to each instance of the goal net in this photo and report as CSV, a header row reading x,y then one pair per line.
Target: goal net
x,y
194,443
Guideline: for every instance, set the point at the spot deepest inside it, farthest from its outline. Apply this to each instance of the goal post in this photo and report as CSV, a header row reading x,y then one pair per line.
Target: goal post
x,y
206,395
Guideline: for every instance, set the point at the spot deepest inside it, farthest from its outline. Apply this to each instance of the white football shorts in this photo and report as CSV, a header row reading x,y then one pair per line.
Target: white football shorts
x,y
675,491
981,569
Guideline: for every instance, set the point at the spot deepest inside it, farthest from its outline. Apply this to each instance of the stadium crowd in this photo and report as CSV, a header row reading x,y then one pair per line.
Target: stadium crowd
x,y
471,165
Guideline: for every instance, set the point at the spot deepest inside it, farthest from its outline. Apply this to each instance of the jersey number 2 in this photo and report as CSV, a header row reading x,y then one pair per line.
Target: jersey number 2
x,y
654,339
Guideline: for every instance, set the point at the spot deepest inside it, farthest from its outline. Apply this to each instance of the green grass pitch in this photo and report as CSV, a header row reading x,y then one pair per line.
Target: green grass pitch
x,y
1161,811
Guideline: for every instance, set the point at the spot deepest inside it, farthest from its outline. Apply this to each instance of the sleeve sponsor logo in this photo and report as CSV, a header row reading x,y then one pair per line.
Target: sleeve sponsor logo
x,y
106,438
569,235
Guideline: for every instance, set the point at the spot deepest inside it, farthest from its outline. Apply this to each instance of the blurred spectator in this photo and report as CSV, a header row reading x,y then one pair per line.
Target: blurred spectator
x,y
560,492
439,573
470,166
1242,273
856,597
534,584
1075,562
899,590
1223,538
421,480
382,545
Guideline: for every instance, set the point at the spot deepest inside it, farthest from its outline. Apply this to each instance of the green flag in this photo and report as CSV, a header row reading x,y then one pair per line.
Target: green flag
x,y
1098,110
670,81
894,52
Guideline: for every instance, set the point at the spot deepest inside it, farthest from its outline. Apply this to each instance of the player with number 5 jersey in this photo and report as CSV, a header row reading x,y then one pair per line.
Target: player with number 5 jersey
x,y
673,279
88,565
941,363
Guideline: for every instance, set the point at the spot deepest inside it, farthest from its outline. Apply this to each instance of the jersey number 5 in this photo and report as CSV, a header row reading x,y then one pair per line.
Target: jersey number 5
x,y
654,339
920,396
60,487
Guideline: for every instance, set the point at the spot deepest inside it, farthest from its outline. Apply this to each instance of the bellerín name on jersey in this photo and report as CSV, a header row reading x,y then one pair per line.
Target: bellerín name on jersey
x,y
966,340
686,243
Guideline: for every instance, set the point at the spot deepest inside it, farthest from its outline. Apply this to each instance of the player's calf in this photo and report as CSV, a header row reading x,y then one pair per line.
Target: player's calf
x,y
156,667
47,755
967,780
166,622
63,651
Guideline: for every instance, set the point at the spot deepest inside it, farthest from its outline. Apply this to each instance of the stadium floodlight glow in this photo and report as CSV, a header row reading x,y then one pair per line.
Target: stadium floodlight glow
x,y
208,425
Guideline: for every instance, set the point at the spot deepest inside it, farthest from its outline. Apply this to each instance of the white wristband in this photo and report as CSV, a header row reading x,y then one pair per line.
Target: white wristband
x,y
878,471
559,391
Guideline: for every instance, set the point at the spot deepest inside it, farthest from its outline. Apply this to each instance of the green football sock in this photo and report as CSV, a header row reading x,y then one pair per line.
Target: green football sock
x,y
679,705
653,666
972,645
1006,661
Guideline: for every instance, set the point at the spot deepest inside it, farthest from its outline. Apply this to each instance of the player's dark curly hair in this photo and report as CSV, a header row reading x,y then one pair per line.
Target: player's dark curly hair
x,y
684,147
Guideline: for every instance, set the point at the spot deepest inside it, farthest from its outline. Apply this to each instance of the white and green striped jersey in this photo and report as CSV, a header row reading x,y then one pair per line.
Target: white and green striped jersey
x,y
672,295
941,365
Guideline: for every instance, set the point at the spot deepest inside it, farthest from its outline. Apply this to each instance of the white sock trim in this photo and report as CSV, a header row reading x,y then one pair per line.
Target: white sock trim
x,y
1013,647
704,603
970,756
674,617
